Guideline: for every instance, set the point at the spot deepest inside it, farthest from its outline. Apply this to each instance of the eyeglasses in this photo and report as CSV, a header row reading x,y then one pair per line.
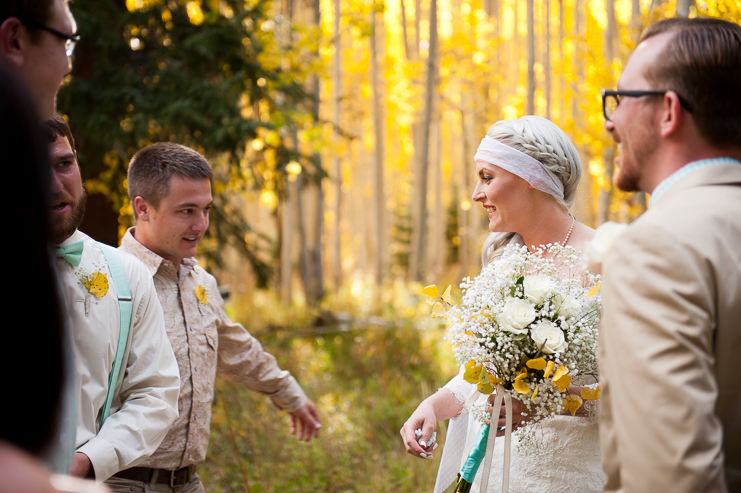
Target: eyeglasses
x,y
611,100
70,41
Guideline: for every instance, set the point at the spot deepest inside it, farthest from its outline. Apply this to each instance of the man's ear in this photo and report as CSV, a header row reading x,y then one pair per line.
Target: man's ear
x,y
11,42
672,117
142,208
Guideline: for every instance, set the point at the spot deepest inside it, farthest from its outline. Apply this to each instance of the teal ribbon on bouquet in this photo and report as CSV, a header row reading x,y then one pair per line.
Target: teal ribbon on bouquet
x,y
483,446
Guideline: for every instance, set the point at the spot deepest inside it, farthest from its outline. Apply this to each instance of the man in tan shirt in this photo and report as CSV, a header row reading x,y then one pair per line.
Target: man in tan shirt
x,y
670,337
171,195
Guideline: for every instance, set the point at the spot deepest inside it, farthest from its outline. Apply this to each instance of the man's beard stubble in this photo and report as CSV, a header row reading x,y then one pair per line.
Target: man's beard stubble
x,y
62,228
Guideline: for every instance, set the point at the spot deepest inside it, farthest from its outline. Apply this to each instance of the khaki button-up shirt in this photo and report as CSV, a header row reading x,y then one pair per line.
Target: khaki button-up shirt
x,y
205,341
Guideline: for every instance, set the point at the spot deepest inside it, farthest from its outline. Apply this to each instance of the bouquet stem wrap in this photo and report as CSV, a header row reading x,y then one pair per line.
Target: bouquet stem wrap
x,y
468,473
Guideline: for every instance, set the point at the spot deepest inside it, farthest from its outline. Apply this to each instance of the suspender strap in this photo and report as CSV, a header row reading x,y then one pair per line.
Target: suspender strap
x,y
121,281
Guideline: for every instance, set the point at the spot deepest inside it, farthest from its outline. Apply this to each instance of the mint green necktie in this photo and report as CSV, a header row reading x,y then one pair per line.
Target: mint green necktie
x,y
71,253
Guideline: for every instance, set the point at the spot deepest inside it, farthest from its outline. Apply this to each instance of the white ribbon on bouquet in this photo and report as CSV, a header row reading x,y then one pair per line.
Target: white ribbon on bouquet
x,y
501,394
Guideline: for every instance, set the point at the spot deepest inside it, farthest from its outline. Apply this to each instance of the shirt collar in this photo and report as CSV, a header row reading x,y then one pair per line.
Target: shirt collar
x,y
151,260
684,171
74,238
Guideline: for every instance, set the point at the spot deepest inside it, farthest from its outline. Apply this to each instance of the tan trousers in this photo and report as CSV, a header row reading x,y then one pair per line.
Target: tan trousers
x,y
120,485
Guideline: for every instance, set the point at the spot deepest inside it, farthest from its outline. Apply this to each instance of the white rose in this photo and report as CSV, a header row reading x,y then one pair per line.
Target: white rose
x,y
516,315
569,307
545,332
595,250
537,288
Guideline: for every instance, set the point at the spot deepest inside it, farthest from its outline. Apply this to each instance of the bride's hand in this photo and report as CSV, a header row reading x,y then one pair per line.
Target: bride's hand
x,y
422,418
517,418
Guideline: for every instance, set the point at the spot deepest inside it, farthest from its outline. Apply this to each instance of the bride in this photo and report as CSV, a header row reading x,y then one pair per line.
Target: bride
x,y
528,173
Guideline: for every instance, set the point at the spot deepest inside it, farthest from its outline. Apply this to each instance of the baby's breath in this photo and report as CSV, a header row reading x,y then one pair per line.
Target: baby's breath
x,y
480,330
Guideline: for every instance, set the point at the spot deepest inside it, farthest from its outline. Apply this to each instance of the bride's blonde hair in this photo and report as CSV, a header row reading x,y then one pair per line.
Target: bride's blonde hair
x,y
540,139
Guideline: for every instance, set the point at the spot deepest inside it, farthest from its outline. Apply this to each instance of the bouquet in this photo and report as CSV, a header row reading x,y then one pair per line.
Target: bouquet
x,y
526,324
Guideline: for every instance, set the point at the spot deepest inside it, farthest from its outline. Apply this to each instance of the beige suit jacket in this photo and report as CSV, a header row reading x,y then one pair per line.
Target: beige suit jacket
x,y
670,342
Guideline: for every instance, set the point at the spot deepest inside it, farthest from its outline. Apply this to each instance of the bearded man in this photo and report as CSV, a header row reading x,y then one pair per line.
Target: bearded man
x,y
671,317
126,376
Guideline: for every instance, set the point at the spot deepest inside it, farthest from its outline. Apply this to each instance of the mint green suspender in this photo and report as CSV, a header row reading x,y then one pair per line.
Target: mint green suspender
x,y
121,282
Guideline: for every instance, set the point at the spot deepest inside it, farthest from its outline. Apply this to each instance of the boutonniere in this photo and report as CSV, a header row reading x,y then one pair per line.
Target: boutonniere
x,y
95,283
202,295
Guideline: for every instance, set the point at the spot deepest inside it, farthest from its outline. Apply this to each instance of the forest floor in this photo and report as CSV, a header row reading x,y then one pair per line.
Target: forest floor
x,y
366,377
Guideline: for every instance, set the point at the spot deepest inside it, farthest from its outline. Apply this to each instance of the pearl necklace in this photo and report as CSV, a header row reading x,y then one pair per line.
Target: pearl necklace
x,y
568,235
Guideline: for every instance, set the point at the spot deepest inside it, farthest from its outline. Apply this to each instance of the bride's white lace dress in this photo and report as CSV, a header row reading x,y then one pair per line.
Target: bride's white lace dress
x,y
566,457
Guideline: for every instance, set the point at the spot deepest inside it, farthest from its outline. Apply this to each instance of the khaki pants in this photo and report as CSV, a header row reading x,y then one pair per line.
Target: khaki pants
x,y
120,485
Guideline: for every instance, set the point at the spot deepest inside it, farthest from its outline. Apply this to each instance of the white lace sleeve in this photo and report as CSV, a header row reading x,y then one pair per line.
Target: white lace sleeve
x,y
460,389
457,439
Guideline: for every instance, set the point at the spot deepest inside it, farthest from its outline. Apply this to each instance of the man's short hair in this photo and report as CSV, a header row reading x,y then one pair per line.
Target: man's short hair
x,y
702,63
151,168
37,11
56,127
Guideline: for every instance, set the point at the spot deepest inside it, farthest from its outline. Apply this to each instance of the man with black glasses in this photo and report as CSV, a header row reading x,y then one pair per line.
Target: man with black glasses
x,y
37,38
671,320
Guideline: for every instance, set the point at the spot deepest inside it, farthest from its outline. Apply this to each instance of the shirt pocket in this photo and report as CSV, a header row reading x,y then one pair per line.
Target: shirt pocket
x,y
211,339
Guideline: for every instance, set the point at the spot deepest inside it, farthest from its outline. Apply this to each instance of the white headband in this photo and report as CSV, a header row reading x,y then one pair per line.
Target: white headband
x,y
518,163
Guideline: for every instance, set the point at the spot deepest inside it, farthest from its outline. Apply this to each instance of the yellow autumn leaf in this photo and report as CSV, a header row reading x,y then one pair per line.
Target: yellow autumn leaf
x,y
473,372
520,386
201,295
590,394
485,388
561,379
549,369
97,284
536,364
446,294
430,291
572,403
438,310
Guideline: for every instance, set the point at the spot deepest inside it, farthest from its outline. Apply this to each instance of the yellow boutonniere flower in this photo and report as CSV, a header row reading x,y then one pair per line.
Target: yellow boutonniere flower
x,y
96,284
202,295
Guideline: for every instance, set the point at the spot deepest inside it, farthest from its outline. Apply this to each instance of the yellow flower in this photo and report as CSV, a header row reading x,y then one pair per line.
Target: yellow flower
x,y
96,284
561,378
535,392
202,295
590,394
572,403
536,364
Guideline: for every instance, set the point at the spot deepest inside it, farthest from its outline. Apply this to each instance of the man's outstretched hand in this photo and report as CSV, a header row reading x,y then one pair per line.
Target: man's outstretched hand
x,y
305,422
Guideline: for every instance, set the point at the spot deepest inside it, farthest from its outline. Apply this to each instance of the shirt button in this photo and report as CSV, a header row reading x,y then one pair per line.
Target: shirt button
x,y
196,369
189,456
195,417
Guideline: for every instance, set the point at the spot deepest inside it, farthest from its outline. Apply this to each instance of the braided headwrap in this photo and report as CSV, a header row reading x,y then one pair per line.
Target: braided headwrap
x,y
520,164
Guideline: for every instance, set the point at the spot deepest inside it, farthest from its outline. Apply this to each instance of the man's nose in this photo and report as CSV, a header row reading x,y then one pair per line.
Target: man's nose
x,y
609,125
